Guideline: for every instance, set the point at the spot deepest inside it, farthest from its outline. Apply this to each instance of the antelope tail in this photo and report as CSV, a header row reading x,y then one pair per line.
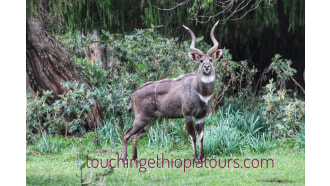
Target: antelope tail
x,y
129,108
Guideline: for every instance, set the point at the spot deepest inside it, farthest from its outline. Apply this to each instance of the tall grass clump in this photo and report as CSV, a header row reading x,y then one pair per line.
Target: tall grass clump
x,y
229,131
110,133
247,122
48,144
167,133
221,137
261,143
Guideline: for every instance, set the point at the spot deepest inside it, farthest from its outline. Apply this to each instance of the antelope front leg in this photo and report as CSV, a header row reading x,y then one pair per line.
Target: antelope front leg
x,y
191,131
200,133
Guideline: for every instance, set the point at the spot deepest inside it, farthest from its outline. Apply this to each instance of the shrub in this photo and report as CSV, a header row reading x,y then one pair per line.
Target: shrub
x,y
235,79
69,111
284,115
148,55
244,120
300,140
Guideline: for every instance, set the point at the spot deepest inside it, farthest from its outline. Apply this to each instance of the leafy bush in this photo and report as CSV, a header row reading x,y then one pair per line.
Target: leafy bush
x,y
284,115
240,117
40,115
70,111
283,70
235,79
148,55
300,140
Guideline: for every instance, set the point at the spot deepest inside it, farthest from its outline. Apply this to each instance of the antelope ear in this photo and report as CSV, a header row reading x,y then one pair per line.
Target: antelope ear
x,y
217,54
193,56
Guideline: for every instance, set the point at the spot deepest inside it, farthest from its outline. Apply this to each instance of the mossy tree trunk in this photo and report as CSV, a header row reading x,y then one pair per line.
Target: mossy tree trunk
x,y
49,65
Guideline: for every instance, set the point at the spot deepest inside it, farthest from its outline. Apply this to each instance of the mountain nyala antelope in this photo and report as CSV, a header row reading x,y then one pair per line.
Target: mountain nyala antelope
x,y
188,96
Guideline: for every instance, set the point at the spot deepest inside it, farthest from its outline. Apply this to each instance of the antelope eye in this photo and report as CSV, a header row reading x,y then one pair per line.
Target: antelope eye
x,y
201,60
211,60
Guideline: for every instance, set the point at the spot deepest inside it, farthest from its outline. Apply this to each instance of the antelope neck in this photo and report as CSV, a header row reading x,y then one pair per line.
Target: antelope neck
x,y
205,85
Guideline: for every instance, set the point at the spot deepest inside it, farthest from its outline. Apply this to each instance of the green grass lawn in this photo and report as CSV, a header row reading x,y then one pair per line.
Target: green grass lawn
x,y
61,168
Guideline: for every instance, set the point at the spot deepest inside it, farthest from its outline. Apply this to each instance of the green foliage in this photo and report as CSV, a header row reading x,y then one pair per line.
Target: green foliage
x,y
123,16
284,115
222,139
283,70
61,168
89,15
49,145
234,77
147,54
230,130
113,91
240,118
261,143
111,133
94,176
32,7
300,140
247,122
69,111
167,133
40,114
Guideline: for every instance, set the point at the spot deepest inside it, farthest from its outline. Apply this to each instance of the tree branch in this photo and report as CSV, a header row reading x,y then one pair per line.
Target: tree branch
x,y
174,7
297,84
231,7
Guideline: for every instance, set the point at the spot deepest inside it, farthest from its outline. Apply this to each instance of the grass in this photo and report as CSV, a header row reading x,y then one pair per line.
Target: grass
x,y
231,137
60,167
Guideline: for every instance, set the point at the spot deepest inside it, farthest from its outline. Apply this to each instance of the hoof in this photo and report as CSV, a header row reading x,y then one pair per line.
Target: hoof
x,y
203,158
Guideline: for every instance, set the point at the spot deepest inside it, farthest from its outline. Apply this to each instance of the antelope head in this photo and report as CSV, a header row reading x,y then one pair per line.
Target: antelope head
x,y
205,60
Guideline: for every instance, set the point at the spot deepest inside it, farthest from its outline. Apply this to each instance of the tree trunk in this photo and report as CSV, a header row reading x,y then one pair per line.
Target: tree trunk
x,y
95,53
49,65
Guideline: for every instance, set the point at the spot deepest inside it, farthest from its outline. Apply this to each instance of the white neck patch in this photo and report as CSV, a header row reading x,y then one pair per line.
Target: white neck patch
x,y
208,79
205,99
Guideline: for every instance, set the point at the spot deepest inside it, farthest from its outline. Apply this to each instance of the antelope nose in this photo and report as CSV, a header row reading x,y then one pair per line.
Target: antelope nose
x,y
206,66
